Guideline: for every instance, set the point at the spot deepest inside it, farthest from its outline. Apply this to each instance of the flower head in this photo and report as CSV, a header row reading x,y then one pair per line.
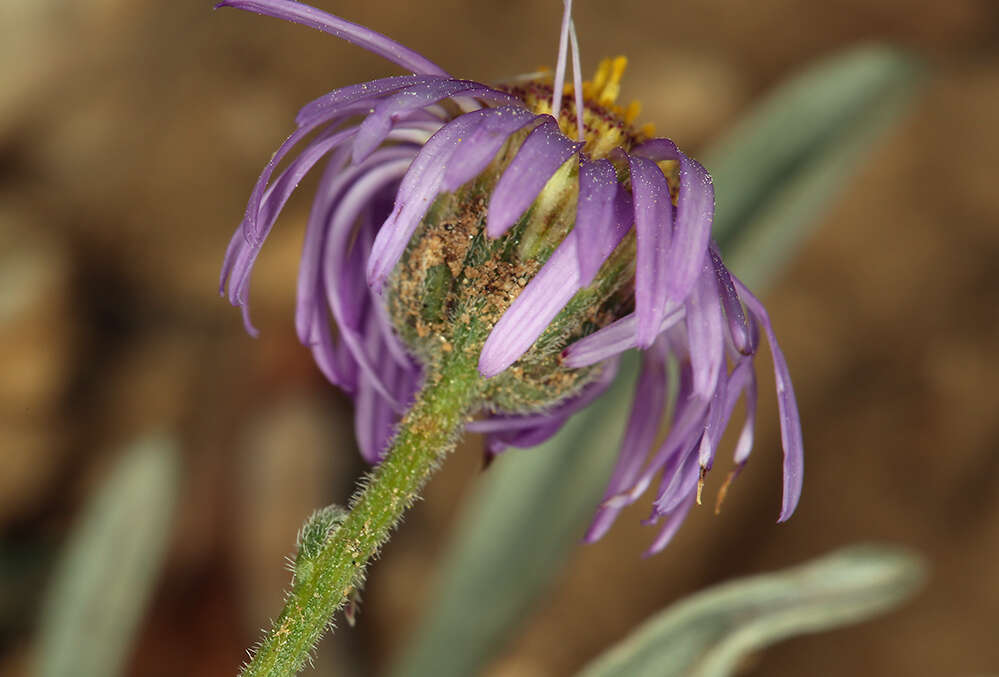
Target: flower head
x,y
534,224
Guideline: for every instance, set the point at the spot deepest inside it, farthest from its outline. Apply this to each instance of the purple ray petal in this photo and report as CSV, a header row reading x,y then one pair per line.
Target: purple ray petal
x,y
744,445
685,431
643,425
418,190
613,339
705,332
738,327
714,423
238,266
544,150
679,484
334,182
378,124
345,30
374,415
787,405
532,311
653,226
342,279
694,212
600,216
671,526
309,285
483,144
365,91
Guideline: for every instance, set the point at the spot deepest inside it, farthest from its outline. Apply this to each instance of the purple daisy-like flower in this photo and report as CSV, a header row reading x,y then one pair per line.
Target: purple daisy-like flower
x,y
546,236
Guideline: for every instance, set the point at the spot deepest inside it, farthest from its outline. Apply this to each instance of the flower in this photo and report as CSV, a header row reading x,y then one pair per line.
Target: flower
x,y
557,237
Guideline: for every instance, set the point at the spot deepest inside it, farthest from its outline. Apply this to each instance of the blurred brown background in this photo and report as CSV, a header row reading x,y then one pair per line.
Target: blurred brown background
x,y
130,135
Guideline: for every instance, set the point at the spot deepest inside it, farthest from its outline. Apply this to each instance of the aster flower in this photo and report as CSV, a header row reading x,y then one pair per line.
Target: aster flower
x,y
535,225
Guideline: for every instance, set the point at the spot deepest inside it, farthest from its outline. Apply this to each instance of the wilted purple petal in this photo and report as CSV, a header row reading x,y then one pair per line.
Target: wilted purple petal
x,y
685,431
483,143
744,445
533,310
787,405
643,425
714,423
613,339
418,190
679,481
653,226
238,265
705,332
671,526
695,208
345,30
340,278
365,91
376,126
544,150
309,284
336,179
600,216
738,327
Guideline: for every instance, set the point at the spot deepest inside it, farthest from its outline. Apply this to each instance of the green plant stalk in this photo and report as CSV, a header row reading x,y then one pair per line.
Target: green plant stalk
x,y
427,433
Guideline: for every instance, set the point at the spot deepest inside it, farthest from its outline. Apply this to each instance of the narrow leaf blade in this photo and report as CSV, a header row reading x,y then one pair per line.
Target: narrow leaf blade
x,y
103,581
707,634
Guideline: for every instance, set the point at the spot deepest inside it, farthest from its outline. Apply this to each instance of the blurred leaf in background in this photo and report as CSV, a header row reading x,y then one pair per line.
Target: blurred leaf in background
x,y
101,585
710,633
773,174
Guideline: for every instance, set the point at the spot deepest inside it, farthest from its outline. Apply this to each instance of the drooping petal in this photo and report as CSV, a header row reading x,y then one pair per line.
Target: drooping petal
x,y
695,208
705,332
483,143
376,126
342,280
671,526
533,310
744,445
613,339
322,106
738,327
602,216
336,179
345,30
418,190
246,245
544,150
653,227
643,425
787,406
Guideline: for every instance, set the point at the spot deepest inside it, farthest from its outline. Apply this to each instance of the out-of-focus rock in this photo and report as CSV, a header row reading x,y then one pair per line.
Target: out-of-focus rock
x,y
36,329
36,332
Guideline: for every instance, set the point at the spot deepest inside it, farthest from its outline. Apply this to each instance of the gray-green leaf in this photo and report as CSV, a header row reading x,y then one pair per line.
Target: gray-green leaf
x,y
103,580
779,167
707,635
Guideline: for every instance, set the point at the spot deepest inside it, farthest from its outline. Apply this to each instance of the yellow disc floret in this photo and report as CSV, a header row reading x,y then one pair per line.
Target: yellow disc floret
x,y
606,125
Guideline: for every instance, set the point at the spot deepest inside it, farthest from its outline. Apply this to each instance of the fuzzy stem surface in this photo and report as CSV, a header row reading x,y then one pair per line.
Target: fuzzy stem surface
x,y
425,435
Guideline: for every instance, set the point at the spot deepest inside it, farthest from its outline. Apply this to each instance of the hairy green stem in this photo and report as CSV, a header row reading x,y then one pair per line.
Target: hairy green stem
x,y
425,435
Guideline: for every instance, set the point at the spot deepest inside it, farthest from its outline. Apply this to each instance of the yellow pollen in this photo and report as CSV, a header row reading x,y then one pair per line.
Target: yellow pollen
x,y
606,124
